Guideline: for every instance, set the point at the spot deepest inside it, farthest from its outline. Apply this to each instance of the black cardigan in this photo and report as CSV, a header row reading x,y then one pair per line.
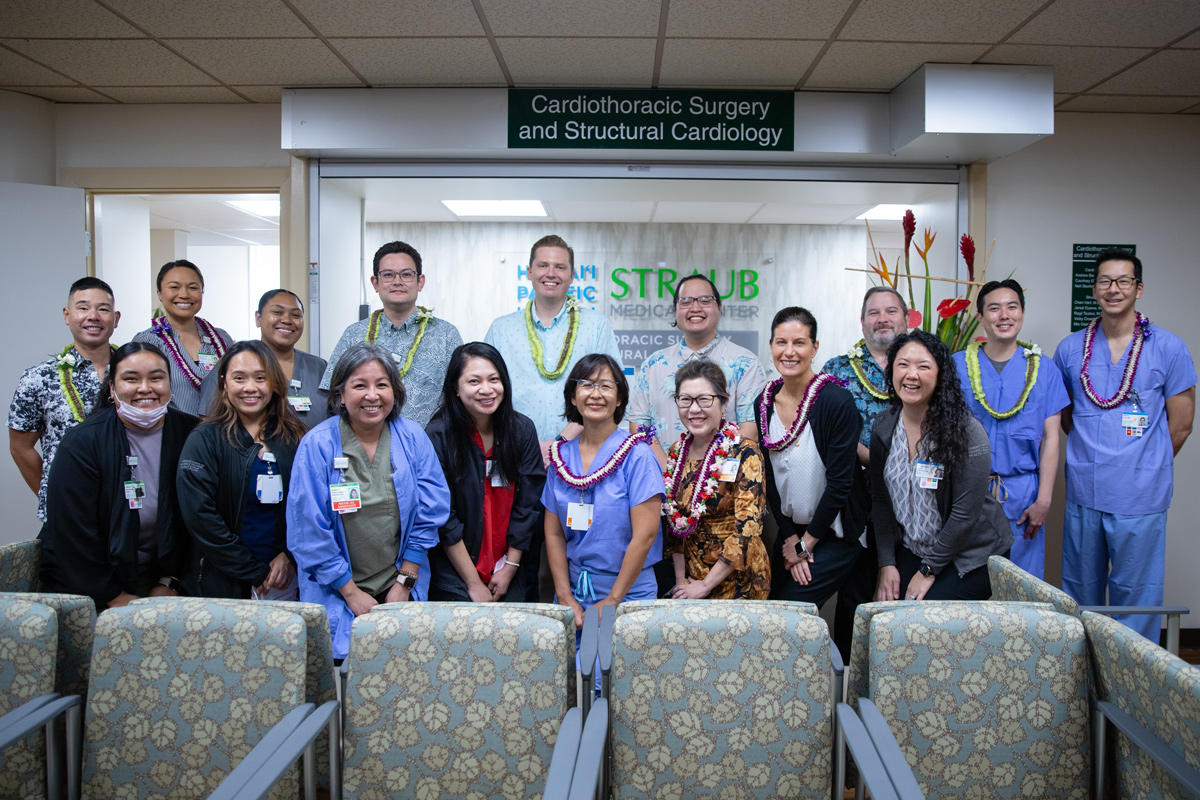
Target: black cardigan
x,y
836,427
90,539
212,481
465,523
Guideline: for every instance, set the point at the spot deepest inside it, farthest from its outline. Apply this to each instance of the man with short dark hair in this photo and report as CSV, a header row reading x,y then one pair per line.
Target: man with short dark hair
x,y
1017,394
56,395
420,343
1133,392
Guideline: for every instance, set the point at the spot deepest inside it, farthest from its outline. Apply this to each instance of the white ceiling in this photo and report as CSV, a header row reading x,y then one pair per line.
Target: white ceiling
x,y
209,220
1108,55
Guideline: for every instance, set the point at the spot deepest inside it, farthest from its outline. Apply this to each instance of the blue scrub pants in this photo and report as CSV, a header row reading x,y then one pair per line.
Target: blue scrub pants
x,y
1133,544
1028,554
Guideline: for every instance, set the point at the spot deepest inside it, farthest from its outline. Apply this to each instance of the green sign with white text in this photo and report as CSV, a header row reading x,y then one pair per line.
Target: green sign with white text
x,y
1084,307
651,119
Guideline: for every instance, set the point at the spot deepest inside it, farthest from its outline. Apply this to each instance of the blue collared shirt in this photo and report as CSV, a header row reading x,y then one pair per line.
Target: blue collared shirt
x,y
868,406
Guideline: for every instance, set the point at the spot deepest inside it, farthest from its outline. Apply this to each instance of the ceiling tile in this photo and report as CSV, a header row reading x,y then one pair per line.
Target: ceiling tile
x,y
289,62
699,211
261,94
216,18
807,214
1167,72
61,94
1131,104
171,94
579,62
799,19
735,62
62,19
1192,109
1059,97
1192,41
601,210
407,211
877,65
17,70
1134,23
423,62
589,18
375,17
118,62
937,20
1075,68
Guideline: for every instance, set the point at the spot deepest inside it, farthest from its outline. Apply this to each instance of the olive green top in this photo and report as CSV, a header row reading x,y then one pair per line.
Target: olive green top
x,y
372,532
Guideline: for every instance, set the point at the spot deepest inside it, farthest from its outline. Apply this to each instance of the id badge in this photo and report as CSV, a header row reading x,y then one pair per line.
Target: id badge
x,y
345,496
208,360
490,468
134,492
1134,424
930,473
729,469
579,516
270,489
300,403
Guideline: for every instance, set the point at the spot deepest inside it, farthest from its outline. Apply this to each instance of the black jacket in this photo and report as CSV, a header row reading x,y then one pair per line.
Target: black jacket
x,y
836,426
90,539
465,523
213,484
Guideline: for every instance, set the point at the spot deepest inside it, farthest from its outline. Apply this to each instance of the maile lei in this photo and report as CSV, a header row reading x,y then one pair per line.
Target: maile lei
x,y
684,525
1141,330
1033,357
581,482
65,362
423,317
856,364
535,344
819,382
162,327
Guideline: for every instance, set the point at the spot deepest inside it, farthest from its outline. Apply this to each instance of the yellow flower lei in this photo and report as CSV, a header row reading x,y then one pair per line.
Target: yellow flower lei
x,y
856,365
423,316
535,344
65,363
1033,356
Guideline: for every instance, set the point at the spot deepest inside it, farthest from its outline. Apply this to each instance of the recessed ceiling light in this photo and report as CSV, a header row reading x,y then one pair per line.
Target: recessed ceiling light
x,y
892,211
496,208
263,208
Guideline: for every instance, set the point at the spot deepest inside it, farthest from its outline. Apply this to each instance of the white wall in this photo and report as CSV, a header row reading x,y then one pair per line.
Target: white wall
x,y
123,259
1110,178
26,139
340,265
235,276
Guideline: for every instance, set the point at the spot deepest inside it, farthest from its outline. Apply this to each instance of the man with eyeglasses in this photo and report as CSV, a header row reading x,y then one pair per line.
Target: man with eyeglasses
x,y
697,306
420,343
1133,393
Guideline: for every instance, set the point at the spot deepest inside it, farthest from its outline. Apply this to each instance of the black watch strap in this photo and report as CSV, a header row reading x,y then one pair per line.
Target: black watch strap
x,y
927,571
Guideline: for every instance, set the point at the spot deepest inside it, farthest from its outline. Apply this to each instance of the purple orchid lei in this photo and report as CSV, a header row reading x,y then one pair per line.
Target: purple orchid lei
x,y
645,433
819,382
1141,330
162,327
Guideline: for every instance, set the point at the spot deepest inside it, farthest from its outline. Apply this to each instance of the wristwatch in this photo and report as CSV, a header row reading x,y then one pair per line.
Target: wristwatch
x,y
804,551
406,579
927,571
170,582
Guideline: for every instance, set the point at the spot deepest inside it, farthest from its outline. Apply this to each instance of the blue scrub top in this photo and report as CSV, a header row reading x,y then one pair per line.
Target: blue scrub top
x,y
602,547
1107,470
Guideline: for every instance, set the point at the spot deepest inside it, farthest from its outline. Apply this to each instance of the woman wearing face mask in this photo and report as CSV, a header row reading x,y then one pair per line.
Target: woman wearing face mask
x,y
114,530
493,464
234,477
714,505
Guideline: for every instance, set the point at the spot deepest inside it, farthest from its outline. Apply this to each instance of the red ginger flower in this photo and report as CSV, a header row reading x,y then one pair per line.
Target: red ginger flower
x,y
967,245
909,223
952,305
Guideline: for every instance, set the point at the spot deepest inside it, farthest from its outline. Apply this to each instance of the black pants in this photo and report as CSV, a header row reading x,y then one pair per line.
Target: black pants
x,y
859,588
974,585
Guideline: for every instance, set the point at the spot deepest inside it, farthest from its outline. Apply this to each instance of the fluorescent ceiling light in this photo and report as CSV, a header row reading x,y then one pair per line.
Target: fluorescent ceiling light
x,y
496,208
262,208
885,211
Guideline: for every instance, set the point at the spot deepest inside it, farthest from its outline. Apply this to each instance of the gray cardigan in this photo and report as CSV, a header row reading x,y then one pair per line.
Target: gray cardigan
x,y
308,369
973,522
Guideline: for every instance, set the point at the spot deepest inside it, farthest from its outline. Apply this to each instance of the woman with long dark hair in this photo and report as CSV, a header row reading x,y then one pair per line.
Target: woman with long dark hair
x,y
113,528
233,480
935,522
493,464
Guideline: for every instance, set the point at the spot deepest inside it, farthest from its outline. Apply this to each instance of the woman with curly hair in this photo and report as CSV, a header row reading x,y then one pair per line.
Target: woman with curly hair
x,y
935,522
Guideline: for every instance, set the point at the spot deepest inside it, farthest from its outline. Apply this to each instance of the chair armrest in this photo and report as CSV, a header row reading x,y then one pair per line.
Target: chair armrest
x,y
590,762
604,645
562,760
23,720
587,658
1152,746
261,754
898,770
300,739
835,658
870,768
1110,610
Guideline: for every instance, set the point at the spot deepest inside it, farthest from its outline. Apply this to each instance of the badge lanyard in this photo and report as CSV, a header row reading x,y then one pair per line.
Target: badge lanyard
x,y
345,497
135,490
1134,424
270,486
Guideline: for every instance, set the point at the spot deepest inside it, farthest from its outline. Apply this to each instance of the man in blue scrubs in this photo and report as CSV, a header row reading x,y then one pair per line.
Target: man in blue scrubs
x,y
1018,394
1133,391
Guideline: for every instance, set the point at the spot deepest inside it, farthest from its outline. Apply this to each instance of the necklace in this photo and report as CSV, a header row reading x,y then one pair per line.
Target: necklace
x,y
706,479
162,327
1141,330
535,344
65,362
1033,357
856,364
644,434
423,317
819,382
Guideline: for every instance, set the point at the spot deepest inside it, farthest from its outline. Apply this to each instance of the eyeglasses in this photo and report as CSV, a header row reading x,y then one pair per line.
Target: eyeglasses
x,y
1124,283
704,401
704,301
391,276
604,387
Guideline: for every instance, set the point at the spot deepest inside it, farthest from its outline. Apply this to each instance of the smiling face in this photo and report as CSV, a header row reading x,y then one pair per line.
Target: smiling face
x,y
551,273
368,396
701,422
1002,316
480,388
596,397
793,349
182,293
1113,299
696,310
142,381
882,320
281,322
914,374
398,282
247,386
90,317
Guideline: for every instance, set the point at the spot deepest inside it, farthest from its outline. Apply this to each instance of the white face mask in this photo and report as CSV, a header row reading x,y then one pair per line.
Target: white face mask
x,y
139,417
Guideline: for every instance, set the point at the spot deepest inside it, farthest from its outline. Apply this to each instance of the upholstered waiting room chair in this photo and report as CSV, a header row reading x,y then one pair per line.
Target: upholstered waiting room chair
x,y
76,624
19,566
